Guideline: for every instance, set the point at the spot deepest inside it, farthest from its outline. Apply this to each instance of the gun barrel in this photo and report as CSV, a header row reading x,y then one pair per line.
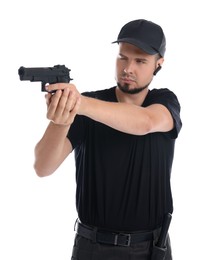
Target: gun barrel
x,y
29,73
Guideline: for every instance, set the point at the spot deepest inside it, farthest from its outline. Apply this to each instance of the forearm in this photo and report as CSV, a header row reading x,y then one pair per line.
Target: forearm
x,y
124,117
52,149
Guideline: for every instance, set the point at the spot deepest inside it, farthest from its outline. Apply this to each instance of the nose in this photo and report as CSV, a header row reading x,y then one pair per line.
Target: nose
x,y
129,68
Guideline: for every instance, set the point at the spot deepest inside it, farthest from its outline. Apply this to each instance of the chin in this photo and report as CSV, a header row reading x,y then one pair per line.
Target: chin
x,y
128,89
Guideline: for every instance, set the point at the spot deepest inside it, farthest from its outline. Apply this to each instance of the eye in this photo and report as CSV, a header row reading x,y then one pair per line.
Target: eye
x,y
122,57
140,61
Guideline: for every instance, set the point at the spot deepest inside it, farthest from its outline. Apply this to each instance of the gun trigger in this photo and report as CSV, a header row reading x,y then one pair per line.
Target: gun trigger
x,y
43,84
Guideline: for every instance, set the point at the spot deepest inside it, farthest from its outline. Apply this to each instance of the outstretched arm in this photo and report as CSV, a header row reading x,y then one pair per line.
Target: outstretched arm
x,y
128,118
125,117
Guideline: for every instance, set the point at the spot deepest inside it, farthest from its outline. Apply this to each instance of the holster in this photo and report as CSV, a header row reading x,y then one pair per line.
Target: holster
x,y
159,249
158,253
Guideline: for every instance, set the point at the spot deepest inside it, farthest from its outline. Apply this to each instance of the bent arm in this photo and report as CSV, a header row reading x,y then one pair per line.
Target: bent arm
x,y
128,118
52,149
54,146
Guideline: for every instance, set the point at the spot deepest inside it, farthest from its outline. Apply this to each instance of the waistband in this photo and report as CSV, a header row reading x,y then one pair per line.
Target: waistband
x,y
114,238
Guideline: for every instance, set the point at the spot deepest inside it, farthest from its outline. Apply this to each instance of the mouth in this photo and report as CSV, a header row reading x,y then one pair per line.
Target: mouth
x,y
127,80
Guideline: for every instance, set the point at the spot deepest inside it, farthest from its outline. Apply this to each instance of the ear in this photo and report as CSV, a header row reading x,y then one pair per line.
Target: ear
x,y
157,69
159,65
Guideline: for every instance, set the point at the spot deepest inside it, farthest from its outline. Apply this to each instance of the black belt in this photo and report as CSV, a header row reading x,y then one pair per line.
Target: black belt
x,y
113,238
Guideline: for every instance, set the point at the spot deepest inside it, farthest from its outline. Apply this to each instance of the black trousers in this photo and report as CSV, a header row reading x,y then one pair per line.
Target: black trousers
x,y
85,249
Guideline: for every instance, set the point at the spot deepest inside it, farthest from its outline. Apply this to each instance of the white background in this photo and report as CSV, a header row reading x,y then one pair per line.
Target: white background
x,y
37,215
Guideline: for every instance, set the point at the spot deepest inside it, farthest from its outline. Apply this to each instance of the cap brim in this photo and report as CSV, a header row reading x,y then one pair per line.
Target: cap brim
x,y
146,48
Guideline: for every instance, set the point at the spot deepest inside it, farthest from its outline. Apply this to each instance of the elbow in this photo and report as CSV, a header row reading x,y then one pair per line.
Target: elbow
x,y
145,127
148,128
41,166
40,172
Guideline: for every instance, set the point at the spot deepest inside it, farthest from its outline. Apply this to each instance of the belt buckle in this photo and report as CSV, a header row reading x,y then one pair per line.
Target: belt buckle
x,y
127,239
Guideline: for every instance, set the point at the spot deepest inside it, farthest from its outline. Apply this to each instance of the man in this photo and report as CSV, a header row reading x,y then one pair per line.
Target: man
x,y
123,138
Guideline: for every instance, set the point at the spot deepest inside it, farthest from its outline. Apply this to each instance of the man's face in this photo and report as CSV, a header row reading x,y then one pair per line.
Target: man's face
x,y
134,68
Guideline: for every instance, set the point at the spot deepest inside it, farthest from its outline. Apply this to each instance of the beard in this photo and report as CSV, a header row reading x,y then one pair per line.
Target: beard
x,y
126,88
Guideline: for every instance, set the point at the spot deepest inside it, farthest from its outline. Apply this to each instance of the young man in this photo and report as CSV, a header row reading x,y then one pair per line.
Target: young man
x,y
123,138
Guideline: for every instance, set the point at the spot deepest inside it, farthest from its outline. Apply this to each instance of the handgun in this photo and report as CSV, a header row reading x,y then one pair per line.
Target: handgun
x,y
47,75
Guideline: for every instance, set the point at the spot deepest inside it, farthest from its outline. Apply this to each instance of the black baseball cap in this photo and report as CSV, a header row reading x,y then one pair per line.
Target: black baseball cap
x,y
145,35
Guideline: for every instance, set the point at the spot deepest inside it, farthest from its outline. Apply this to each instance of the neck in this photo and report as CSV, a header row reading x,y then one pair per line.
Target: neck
x,y
136,99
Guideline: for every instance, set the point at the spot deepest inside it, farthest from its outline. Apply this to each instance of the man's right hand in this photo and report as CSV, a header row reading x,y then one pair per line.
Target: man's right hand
x,y
62,106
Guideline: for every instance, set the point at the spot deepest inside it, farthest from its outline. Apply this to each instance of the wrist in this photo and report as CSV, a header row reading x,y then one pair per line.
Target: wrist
x,y
83,105
59,126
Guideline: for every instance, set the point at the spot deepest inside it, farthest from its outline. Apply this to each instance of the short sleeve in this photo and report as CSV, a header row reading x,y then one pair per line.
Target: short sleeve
x,y
170,101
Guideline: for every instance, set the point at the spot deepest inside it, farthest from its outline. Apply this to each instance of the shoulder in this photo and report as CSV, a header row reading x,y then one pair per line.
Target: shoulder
x,y
162,96
162,92
168,99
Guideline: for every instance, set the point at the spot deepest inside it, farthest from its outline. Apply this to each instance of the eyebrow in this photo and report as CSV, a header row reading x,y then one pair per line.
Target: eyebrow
x,y
138,58
141,59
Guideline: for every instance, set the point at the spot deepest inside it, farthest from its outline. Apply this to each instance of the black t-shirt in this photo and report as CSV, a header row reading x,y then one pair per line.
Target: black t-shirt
x,y
123,180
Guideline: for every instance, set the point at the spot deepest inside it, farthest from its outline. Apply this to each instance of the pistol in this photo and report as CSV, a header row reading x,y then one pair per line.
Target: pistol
x,y
47,75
